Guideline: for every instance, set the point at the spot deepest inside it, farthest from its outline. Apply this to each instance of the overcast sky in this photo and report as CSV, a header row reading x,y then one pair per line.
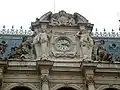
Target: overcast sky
x,y
102,13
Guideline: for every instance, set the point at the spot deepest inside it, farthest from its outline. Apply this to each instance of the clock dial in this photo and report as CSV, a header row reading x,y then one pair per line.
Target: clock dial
x,y
63,44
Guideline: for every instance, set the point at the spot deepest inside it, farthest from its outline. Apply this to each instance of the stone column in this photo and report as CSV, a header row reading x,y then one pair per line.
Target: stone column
x,y
44,67
88,70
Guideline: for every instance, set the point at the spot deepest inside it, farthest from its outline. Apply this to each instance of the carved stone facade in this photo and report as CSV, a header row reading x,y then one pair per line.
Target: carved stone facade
x,y
60,55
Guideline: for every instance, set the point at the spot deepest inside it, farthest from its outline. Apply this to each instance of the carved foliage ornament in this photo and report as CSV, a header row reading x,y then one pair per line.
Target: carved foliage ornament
x,y
90,80
63,18
44,79
60,18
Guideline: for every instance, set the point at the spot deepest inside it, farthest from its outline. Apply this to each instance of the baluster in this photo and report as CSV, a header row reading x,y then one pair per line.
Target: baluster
x,y
21,30
12,30
104,33
96,33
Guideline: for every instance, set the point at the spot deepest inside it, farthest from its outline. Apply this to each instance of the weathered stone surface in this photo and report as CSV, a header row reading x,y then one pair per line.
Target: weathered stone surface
x,y
62,50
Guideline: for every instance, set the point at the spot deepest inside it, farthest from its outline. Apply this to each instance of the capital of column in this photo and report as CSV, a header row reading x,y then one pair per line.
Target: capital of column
x,y
87,26
44,66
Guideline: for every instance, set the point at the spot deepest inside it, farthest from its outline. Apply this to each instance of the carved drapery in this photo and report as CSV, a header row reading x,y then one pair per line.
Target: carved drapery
x,y
85,40
40,42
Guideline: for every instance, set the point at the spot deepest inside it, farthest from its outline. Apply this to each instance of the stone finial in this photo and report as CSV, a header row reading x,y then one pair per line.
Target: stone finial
x,y
21,27
112,30
104,29
104,33
12,26
37,19
3,26
96,33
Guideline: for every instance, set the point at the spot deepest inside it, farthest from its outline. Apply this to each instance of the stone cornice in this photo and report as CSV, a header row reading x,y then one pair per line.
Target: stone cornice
x,y
44,66
45,63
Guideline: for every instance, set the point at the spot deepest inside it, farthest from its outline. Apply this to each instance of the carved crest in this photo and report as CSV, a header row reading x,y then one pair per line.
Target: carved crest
x,y
60,18
66,19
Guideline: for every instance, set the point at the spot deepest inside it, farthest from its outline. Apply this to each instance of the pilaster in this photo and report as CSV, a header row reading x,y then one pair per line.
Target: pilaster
x,y
44,66
88,70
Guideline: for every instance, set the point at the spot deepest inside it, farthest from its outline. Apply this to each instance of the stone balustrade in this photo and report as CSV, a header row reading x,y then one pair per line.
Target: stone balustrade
x,y
13,31
21,31
106,34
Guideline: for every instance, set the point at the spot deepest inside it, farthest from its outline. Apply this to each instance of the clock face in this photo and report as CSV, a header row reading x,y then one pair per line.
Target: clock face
x,y
63,44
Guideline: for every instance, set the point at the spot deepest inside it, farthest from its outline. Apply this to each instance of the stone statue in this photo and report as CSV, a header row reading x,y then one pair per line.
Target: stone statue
x,y
103,53
3,46
94,52
41,44
36,44
86,42
23,51
26,47
44,44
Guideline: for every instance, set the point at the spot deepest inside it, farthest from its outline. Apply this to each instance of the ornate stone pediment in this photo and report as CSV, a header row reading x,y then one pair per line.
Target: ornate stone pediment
x,y
61,18
59,33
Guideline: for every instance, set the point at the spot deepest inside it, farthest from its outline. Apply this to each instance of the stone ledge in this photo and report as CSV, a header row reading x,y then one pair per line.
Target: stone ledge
x,y
44,63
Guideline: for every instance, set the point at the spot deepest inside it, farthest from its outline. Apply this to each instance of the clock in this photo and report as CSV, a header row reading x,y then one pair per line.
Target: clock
x,y
63,44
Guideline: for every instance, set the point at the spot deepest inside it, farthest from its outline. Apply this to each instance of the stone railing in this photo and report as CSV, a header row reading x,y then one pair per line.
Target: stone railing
x,y
21,31
105,34
13,31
